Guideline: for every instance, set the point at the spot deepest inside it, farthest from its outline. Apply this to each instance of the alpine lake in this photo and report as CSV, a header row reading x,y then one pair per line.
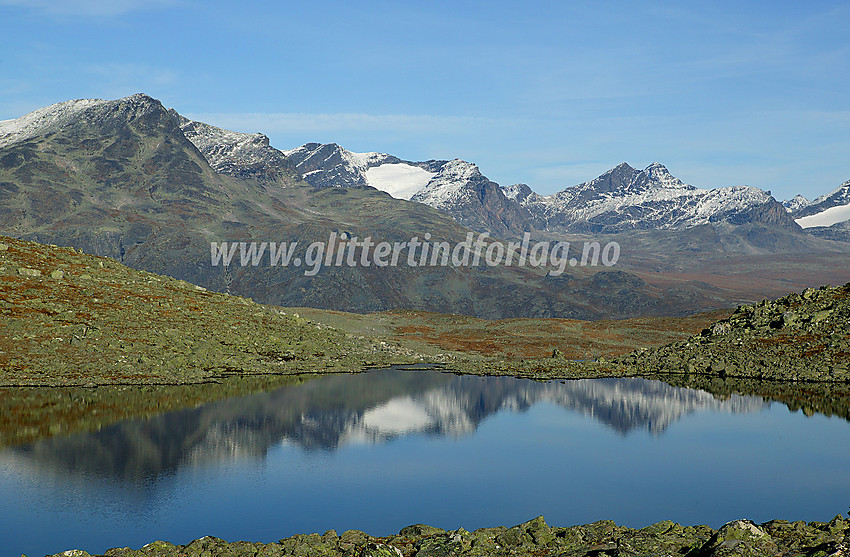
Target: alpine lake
x,y
380,450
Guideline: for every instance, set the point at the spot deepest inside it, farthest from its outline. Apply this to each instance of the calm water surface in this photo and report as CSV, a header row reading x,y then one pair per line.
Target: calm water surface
x,y
385,449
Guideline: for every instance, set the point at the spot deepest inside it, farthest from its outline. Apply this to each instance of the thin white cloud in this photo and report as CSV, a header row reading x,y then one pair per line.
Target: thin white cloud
x,y
830,117
117,77
88,8
283,122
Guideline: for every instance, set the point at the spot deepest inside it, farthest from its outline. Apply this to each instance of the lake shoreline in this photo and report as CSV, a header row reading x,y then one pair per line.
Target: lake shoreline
x,y
535,537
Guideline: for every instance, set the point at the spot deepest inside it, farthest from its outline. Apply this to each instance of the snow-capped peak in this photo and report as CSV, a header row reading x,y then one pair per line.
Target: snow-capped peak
x,y
457,169
42,120
624,198
223,147
362,161
61,114
448,186
317,154
330,165
243,155
842,192
658,173
795,203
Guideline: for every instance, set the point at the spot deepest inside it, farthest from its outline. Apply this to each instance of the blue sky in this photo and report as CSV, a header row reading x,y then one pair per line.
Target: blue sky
x,y
546,93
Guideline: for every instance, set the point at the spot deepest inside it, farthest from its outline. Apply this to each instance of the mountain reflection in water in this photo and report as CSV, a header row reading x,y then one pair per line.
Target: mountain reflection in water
x,y
367,408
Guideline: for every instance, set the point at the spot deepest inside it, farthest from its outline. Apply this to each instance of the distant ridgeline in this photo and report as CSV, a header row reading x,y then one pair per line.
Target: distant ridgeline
x,y
131,180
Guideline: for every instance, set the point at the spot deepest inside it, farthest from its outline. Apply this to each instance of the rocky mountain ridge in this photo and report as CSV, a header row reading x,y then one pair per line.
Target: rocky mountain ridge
x,y
625,198
123,179
456,187
241,155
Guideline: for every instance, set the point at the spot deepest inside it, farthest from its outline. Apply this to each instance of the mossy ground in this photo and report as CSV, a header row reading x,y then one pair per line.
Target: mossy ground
x,y
69,319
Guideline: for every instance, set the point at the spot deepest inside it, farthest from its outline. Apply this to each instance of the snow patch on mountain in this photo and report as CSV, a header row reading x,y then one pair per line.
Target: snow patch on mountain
x,y
43,119
828,217
826,210
400,180
398,415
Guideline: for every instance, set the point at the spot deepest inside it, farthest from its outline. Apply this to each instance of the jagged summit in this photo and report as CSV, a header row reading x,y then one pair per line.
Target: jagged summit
x,y
456,186
796,203
658,174
331,165
449,185
242,155
625,198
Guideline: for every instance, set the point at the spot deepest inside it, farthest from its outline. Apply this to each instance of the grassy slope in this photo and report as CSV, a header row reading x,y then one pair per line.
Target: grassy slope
x,y
86,320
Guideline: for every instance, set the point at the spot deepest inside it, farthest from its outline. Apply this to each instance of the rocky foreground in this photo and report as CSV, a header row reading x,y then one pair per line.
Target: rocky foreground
x,y
535,538
800,337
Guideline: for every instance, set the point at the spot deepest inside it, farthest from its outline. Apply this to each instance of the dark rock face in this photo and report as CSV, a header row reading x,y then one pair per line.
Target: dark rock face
x,y
771,213
839,232
329,165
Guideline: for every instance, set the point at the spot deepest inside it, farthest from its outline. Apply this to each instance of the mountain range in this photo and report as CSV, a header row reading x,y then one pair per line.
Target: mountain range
x,y
132,180
623,198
